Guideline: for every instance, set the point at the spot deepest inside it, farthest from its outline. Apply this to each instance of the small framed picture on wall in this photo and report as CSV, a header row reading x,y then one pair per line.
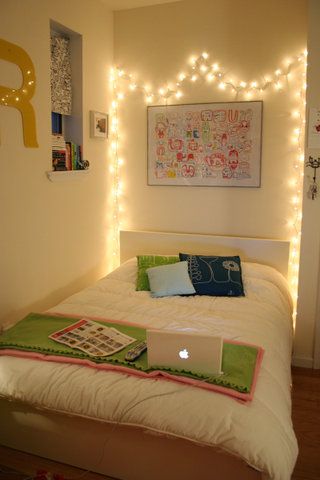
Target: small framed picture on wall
x,y
98,124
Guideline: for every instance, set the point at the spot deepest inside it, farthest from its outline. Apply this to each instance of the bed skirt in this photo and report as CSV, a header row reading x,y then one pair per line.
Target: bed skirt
x,y
121,451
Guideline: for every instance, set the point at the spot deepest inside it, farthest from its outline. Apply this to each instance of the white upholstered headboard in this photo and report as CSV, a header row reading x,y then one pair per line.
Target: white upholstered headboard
x,y
268,252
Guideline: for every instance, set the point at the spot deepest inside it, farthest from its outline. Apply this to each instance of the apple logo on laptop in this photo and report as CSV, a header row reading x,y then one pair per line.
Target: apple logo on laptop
x,y
184,354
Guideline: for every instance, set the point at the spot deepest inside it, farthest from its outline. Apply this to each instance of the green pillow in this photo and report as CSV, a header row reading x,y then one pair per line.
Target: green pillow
x,y
147,261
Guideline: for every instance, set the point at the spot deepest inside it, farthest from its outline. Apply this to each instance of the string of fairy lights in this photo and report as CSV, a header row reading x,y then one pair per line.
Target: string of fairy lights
x,y
200,68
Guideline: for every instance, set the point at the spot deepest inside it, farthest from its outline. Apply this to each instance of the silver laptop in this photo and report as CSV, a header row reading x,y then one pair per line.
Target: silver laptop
x,y
196,352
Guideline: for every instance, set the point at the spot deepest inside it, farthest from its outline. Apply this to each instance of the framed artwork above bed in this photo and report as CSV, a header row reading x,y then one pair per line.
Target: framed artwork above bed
x,y
205,144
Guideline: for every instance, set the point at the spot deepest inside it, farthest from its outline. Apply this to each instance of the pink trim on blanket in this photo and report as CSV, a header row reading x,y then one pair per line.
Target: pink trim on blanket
x,y
245,397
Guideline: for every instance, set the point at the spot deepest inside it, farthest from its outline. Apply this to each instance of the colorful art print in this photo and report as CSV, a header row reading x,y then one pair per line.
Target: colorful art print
x,y
98,124
314,128
208,144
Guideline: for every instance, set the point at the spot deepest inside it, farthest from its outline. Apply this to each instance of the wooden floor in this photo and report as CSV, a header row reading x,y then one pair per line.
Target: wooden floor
x,y
306,421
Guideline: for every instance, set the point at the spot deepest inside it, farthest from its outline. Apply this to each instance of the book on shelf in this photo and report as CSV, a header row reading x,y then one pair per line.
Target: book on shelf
x,y
58,152
67,155
74,157
59,160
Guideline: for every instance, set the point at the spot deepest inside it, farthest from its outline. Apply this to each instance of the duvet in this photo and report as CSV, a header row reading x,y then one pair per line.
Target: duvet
x,y
259,431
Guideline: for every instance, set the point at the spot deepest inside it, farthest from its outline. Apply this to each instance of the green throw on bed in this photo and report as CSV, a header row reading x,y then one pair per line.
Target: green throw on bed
x,y
31,335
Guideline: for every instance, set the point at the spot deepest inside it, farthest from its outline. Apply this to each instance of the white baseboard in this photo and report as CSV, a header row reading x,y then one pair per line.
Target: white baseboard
x,y
306,362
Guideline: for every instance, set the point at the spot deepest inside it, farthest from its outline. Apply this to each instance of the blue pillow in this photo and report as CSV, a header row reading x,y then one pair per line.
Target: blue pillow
x,y
215,276
170,279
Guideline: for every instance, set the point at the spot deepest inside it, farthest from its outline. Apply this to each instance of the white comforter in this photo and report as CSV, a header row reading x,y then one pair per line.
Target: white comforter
x,y
260,432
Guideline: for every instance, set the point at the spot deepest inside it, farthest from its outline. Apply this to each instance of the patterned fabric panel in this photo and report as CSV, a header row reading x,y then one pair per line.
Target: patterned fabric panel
x,y
61,91
215,276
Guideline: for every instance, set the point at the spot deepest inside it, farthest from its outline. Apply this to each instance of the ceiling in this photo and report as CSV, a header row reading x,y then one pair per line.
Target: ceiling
x,y
126,4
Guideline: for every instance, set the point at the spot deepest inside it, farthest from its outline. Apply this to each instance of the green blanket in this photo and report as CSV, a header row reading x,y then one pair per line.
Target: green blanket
x,y
31,335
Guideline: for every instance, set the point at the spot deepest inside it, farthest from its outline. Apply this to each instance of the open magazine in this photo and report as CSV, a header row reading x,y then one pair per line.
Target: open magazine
x,y
92,338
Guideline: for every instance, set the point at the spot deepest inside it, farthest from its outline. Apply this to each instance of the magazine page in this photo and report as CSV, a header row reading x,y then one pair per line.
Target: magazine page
x,y
92,338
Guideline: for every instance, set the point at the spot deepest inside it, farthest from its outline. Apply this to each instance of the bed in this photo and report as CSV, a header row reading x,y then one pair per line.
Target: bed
x,y
134,428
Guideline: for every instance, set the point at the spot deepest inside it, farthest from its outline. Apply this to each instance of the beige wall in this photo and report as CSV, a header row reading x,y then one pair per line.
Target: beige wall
x,y
53,235
250,39
308,320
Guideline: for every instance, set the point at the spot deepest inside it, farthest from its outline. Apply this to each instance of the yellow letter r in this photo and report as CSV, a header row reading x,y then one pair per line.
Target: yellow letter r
x,y
20,98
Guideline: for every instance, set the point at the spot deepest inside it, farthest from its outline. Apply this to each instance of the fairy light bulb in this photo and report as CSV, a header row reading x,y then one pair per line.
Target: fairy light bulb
x,y
292,182
205,55
291,223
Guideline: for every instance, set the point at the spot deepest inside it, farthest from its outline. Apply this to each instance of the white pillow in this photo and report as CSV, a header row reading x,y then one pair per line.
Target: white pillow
x,y
172,279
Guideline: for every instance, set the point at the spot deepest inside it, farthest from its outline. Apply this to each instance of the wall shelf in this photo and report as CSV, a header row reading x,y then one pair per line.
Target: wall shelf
x,y
65,176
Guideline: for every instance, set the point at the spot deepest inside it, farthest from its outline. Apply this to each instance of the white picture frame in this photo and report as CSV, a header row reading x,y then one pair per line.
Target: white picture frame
x,y
98,124
205,144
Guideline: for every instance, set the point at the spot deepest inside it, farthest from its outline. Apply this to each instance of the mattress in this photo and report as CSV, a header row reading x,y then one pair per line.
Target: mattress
x,y
259,431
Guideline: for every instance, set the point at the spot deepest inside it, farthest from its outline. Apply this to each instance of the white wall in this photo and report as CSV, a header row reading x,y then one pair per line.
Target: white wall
x,y
53,235
249,39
